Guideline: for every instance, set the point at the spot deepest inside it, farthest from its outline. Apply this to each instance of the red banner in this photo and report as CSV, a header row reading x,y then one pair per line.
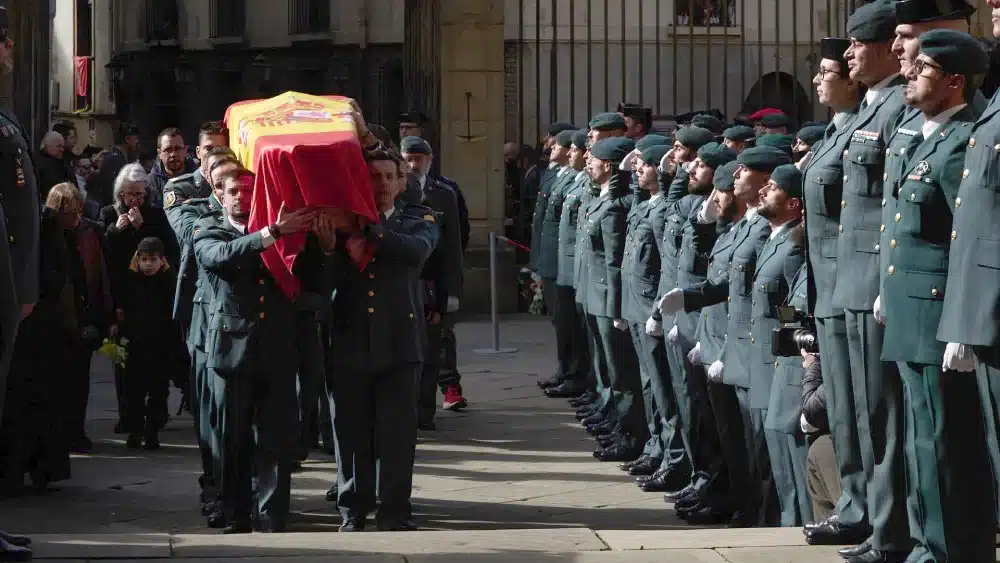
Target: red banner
x,y
81,75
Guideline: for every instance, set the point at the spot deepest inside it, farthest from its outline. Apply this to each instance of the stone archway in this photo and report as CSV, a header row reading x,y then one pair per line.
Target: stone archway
x,y
780,90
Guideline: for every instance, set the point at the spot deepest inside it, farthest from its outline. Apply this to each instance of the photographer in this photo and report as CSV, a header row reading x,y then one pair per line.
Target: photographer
x,y
824,479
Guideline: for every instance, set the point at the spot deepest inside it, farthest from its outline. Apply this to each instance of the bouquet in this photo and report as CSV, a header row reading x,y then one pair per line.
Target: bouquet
x,y
114,350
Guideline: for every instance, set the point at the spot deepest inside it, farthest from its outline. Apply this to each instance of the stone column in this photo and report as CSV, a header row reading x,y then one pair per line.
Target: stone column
x,y
471,70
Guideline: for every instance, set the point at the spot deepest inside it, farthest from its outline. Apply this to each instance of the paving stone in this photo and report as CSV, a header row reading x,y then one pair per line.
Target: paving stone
x,y
672,556
804,554
106,546
624,540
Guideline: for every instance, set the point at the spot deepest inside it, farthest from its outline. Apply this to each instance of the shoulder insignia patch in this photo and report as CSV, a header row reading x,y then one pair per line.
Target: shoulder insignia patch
x,y
430,218
170,199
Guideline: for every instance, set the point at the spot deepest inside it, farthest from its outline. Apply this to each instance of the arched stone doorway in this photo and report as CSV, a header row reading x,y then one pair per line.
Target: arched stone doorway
x,y
780,90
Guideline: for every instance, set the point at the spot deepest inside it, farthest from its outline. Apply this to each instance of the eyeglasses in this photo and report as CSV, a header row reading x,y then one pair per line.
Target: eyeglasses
x,y
920,64
824,72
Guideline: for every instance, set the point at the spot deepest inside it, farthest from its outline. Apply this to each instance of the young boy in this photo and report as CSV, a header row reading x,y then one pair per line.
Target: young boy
x,y
148,325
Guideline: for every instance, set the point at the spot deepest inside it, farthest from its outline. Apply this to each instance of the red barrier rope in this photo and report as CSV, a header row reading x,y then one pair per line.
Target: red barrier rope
x,y
514,243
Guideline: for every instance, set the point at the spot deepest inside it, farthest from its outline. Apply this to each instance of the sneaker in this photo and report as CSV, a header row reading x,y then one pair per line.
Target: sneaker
x,y
453,399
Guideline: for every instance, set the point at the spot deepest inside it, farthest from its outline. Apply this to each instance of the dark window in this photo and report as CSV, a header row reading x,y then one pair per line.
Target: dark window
x,y
84,29
228,18
161,20
311,81
309,16
705,13
230,88
83,68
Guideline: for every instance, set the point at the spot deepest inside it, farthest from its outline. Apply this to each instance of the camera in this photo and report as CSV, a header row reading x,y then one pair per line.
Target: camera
x,y
797,332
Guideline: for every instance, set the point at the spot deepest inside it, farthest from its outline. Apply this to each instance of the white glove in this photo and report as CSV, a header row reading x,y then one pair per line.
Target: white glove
x,y
715,372
708,213
452,304
621,324
804,160
879,315
959,357
694,356
628,163
672,335
687,165
805,426
672,302
654,327
665,163
535,277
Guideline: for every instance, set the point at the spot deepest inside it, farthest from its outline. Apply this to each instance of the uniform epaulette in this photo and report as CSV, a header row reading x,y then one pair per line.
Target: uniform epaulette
x,y
447,181
181,178
208,220
196,201
418,211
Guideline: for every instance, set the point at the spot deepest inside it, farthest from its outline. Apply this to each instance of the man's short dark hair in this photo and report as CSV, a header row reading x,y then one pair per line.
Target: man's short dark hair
x,y
213,128
151,246
64,128
235,174
382,154
168,132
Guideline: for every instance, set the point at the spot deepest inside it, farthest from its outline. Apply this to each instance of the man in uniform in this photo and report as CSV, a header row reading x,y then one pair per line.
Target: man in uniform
x,y
738,137
858,401
968,318
442,272
733,367
777,265
607,125
19,247
945,463
376,355
638,120
804,141
822,189
252,356
775,124
605,218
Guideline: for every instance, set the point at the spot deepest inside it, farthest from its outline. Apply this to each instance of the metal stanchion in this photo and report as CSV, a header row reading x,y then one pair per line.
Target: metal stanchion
x,y
494,315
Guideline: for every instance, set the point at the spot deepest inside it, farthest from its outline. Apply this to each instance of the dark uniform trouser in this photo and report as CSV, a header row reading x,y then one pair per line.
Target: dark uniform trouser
x,y
764,508
824,480
645,347
428,376
570,347
698,430
842,413
892,495
375,418
729,422
876,413
622,366
599,361
586,348
948,464
258,411
553,306
312,372
788,453
202,409
448,367
988,384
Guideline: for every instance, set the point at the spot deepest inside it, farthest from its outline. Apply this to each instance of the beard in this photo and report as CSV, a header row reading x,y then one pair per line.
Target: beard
x,y
767,210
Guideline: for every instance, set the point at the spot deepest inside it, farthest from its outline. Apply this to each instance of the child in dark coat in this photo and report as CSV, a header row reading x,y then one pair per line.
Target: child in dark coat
x,y
149,327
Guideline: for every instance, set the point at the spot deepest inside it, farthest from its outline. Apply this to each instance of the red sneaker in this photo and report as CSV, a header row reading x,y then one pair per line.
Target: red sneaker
x,y
453,399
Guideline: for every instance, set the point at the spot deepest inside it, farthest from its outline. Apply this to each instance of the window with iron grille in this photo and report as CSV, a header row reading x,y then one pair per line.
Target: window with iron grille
x,y
162,19
308,16
83,81
705,13
228,18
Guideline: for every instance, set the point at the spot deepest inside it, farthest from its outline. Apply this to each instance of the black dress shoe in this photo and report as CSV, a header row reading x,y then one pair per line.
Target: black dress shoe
x,y
617,453
20,541
11,552
216,520
628,465
669,480
813,525
705,515
602,429
879,556
333,493
674,496
404,525
836,533
593,419
352,524
550,381
564,390
243,527
740,520
584,400
649,466
855,550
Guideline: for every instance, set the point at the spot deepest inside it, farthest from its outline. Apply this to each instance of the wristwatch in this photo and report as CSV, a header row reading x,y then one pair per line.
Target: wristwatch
x,y
275,231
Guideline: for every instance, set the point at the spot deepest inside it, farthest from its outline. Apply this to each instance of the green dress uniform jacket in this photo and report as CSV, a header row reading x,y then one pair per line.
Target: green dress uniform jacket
x,y
548,178
581,268
714,319
568,221
896,158
605,248
822,189
673,230
547,262
785,404
861,214
641,263
750,236
697,242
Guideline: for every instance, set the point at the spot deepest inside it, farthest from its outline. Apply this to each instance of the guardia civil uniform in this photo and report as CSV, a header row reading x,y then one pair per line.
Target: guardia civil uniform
x,y
548,177
777,264
823,190
945,461
605,247
376,353
252,357
857,280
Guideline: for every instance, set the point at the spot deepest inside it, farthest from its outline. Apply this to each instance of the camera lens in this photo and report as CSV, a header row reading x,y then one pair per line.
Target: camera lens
x,y
805,340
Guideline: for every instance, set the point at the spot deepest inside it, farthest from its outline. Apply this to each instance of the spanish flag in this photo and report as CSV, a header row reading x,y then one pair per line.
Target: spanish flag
x,y
304,151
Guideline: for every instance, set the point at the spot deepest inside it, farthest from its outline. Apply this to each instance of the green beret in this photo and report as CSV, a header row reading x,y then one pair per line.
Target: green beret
x,y
833,48
873,23
708,121
559,127
810,135
654,154
651,140
774,120
777,140
414,145
580,139
724,179
822,124
565,138
763,159
614,149
608,121
955,52
715,155
921,11
789,179
739,133
694,137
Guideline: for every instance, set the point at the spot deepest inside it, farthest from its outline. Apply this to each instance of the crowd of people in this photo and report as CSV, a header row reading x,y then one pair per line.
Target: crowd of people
x,y
779,329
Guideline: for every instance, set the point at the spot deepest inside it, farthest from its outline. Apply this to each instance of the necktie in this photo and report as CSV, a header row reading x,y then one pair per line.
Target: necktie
x,y
830,130
864,103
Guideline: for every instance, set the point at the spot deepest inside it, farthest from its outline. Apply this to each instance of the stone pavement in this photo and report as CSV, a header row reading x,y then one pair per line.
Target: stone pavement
x,y
510,479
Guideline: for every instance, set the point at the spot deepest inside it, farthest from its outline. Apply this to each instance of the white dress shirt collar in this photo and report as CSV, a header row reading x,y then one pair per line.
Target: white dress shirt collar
x,y
931,125
875,91
777,230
